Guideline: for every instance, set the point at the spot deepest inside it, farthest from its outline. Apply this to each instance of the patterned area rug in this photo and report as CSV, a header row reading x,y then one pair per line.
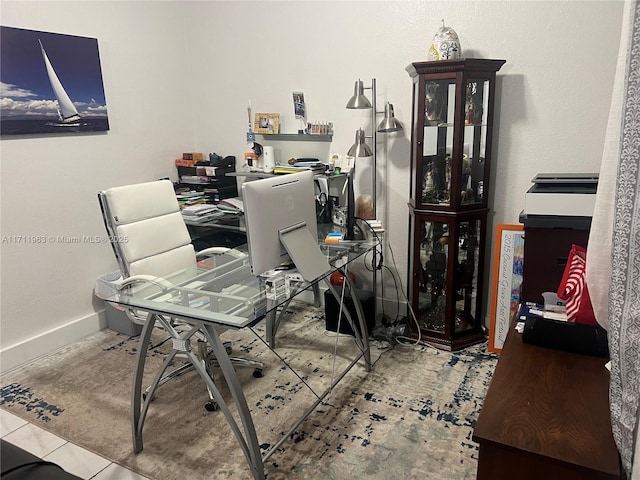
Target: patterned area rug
x,y
411,417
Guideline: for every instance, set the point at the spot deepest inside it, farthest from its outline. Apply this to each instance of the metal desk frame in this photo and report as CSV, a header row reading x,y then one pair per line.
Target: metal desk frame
x,y
240,312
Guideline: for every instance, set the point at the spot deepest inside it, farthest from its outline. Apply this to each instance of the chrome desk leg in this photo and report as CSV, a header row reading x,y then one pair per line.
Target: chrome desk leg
x,y
362,333
139,414
271,323
249,441
136,391
317,302
274,318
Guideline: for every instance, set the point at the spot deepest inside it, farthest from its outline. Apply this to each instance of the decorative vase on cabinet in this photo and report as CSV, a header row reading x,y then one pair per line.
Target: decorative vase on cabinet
x,y
453,103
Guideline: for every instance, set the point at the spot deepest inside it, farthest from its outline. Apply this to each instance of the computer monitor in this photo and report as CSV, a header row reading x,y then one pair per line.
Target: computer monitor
x,y
273,205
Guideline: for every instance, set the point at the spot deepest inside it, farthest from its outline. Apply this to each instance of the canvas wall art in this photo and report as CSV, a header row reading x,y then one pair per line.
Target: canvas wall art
x,y
50,83
508,263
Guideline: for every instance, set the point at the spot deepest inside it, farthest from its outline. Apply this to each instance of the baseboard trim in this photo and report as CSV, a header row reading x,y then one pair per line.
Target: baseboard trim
x,y
32,348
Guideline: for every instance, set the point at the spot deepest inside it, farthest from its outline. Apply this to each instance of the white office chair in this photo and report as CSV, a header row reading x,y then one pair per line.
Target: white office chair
x,y
150,241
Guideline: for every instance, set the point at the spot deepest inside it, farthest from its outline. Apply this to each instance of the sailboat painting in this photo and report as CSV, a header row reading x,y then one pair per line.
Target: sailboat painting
x,y
50,83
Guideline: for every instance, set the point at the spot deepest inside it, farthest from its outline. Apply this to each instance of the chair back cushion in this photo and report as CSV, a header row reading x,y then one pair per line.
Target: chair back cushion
x,y
150,234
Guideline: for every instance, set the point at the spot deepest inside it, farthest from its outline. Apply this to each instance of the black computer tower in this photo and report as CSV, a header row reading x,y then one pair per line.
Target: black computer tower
x,y
332,311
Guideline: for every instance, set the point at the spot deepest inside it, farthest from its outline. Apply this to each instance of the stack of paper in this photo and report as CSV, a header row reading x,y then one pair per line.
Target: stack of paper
x,y
194,179
190,198
199,210
537,310
317,168
233,205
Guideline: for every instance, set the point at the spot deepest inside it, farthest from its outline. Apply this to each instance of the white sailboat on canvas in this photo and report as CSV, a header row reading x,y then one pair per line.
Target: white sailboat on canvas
x,y
67,112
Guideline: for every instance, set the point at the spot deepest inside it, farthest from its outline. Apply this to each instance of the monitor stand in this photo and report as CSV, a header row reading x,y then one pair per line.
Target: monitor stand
x,y
303,249
310,262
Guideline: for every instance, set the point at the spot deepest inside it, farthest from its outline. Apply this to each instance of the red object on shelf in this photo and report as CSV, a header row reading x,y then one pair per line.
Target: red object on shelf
x,y
337,278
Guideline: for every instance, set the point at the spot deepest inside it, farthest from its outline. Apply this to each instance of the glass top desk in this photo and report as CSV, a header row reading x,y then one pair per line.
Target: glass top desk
x,y
220,293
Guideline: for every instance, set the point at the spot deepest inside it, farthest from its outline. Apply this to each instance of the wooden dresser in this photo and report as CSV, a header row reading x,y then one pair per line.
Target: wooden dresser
x,y
546,415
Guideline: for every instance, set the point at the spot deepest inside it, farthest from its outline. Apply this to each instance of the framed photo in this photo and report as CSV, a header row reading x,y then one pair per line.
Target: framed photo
x,y
298,105
267,123
508,262
52,84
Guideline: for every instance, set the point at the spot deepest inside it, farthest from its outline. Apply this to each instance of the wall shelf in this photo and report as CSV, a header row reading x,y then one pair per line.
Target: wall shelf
x,y
258,174
297,137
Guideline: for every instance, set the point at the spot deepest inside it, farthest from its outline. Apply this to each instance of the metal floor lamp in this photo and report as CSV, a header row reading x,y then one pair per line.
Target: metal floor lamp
x,y
388,124
361,149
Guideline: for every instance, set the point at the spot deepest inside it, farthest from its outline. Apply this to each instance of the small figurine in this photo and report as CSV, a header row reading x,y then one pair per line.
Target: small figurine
x,y
432,102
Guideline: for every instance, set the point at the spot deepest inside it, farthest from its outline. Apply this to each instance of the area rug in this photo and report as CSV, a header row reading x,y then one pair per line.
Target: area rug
x,y
411,417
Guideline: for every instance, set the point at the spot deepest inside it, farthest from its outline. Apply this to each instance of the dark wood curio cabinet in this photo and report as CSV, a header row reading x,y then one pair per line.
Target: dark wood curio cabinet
x,y
452,120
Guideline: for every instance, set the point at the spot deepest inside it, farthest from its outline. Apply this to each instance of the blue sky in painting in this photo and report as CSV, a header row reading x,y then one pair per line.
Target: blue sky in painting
x,y
25,90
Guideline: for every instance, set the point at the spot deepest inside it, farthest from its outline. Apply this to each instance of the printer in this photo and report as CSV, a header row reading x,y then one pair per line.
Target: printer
x,y
557,214
565,194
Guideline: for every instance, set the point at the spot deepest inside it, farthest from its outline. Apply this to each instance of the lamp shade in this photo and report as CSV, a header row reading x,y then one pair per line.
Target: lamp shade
x,y
360,148
358,100
389,123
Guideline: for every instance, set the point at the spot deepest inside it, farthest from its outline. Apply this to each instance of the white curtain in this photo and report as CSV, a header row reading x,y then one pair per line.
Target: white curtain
x,y
613,253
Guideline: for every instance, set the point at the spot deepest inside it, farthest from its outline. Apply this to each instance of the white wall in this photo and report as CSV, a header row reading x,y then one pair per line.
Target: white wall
x,y
49,183
553,93
178,77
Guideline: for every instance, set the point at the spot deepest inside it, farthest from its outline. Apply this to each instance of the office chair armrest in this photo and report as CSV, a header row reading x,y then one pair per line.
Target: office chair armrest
x,y
220,251
158,281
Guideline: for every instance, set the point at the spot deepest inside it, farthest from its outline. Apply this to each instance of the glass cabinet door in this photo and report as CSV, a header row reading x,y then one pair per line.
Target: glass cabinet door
x,y
437,241
466,275
437,145
446,153
474,142
434,254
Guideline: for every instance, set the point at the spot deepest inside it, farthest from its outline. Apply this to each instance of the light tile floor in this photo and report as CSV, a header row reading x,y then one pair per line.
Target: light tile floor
x,y
72,458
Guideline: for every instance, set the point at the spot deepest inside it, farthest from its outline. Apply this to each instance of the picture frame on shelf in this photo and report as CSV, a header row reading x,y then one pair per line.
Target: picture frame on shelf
x,y
508,261
267,123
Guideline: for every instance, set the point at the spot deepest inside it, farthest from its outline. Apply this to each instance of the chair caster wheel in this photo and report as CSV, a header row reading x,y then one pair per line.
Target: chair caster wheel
x,y
211,406
144,397
257,373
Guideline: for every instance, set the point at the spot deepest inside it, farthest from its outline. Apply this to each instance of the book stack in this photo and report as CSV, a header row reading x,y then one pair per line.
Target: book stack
x,y
189,197
194,179
189,159
231,205
200,212
316,167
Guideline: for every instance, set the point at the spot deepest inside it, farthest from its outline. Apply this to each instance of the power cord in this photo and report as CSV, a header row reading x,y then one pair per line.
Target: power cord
x,y
389,333
396,333
403,339
374,265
